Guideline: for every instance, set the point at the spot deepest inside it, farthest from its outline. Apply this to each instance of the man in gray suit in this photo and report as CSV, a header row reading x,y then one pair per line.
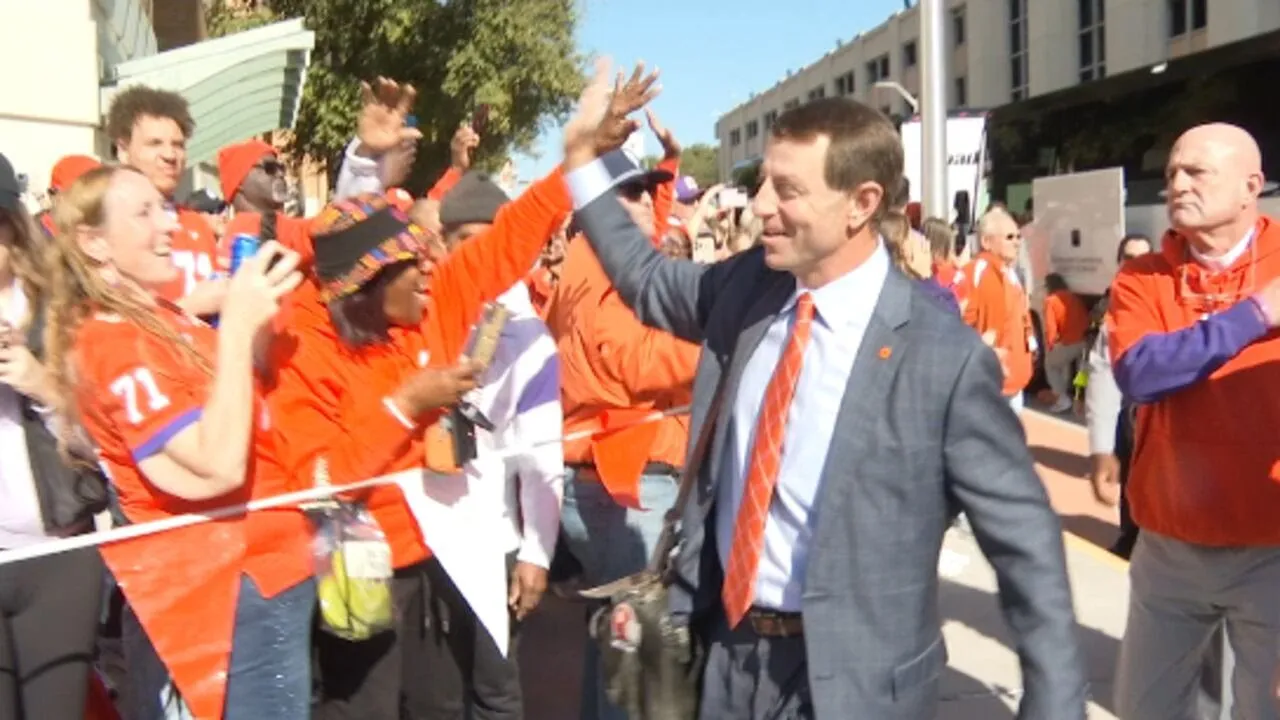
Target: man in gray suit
x,y
887,421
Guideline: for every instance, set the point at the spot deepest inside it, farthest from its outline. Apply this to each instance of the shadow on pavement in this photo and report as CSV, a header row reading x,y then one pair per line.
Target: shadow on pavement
x,y
1089,528
1068,463
979,611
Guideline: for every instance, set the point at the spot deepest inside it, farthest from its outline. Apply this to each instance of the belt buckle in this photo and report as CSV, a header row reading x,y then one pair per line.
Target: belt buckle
x,y
771,624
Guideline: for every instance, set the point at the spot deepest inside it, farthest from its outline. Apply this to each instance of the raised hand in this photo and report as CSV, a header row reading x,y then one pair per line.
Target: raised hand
x,y
465,139
258,287
384,106
670,146
579,132
628,96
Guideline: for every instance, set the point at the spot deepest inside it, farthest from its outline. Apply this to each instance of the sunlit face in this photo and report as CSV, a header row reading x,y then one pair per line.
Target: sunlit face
x,y
1206,185
134,237
158,148
265,185
404,299
638,202
803,219
1002,238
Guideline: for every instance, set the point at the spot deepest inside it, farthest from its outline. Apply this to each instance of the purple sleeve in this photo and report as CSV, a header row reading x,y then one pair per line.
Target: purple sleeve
x,y
1163,363
941,295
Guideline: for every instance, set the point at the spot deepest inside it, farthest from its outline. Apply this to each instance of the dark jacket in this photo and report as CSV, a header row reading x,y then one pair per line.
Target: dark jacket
x,y
69,496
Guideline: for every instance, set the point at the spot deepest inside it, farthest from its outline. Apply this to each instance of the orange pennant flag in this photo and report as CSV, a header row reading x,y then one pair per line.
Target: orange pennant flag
x,y
621,451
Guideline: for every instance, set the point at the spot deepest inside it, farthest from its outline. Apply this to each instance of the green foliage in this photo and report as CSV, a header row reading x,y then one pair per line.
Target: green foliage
x,y
517,56
222,20
702,162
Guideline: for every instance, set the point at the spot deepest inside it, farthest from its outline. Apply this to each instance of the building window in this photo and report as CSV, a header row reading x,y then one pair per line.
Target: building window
x,y
1187,15
769,119
1018,80
909,55
845,84
957,26
878,69
791,104
817,93
1093,40
962,92
753,129
735,137
1199,14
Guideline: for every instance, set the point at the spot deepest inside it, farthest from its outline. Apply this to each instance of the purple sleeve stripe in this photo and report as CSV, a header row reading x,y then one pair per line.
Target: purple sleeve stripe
x,y
1163,363
543,387
156,443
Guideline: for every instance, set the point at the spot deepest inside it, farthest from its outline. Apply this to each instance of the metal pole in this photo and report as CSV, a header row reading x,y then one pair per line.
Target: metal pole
x,y
933,106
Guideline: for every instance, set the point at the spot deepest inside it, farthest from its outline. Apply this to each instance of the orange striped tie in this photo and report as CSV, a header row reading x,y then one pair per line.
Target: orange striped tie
x,y
762,470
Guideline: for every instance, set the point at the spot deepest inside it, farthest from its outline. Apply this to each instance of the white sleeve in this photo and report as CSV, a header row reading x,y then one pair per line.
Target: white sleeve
x,y
358,174
537,426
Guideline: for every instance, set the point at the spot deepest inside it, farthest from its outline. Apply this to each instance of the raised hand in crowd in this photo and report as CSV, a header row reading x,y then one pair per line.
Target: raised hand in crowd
x,y
670,146
433,388
464,141
381,127
603,121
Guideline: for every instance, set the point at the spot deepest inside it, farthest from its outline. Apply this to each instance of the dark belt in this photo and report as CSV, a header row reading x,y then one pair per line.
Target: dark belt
x,y
650,468
774,623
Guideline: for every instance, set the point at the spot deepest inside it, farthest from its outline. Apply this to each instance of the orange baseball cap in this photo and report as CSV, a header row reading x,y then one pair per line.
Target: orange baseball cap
x,y
69,169
235,162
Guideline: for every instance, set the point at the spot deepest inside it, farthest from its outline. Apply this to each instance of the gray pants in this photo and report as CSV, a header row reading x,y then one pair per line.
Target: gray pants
x,y
749,677
1180,594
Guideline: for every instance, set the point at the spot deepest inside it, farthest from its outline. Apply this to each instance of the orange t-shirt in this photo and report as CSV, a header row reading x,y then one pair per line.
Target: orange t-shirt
x,y
291,232
137,391
194,251
1066,319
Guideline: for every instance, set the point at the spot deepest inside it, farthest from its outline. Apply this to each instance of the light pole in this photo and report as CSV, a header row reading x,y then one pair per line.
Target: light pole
x,y
902,93
933,98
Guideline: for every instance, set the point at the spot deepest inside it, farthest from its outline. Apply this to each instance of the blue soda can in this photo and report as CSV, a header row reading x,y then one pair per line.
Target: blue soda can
x,y
243,247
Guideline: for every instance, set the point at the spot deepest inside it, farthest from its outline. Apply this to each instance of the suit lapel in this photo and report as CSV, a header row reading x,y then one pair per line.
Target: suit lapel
x,y
866,395
755,323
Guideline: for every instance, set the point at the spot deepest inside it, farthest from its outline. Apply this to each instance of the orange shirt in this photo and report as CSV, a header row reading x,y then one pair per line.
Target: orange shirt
x,y
194,251
992,301
1204,467
136,393
1066,319
291,232
610,361
329,398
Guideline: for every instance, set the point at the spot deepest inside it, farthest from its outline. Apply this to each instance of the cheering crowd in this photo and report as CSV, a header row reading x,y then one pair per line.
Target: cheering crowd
x,y
779,408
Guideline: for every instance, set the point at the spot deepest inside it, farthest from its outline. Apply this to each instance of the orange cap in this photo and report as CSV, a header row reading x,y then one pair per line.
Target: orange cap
x,y
235,162
69,169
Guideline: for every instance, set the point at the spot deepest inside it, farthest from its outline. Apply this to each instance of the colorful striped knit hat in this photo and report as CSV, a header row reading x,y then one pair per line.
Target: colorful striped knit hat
x,y
356,238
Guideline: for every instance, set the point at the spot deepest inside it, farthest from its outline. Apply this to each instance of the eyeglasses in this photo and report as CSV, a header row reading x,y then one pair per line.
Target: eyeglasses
x,y
271,166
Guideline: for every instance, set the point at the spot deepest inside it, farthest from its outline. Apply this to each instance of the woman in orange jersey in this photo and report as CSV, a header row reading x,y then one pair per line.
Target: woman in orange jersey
x,y
358,383
220,610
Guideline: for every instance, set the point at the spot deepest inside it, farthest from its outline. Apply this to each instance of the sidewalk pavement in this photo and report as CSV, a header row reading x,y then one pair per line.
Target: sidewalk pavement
x,y
982,680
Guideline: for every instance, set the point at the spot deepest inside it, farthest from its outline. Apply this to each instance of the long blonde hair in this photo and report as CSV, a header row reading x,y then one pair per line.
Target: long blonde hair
x,y
78,289
896,230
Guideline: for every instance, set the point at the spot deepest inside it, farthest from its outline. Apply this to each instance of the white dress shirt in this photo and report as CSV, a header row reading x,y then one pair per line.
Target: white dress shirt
x,y
843,308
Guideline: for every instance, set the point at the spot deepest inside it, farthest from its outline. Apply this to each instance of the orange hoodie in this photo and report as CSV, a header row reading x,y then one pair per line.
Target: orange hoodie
x,y
995,302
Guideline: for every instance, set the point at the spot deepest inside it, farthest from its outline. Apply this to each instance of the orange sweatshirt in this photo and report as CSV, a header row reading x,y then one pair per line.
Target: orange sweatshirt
x,y
330,400
1066,319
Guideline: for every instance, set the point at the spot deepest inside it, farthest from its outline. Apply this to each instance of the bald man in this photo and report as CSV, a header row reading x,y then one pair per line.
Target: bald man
x,y
1193,343
994,302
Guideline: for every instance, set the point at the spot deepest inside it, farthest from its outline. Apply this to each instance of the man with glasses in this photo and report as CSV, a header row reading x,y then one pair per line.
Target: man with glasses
x,y
1193,345
253,182
994,302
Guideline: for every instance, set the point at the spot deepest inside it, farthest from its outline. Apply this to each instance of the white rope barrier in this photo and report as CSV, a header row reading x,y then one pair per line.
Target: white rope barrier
x,y
154,527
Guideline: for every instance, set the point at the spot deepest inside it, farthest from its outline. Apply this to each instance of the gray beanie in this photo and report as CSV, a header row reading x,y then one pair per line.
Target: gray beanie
x,y
475,199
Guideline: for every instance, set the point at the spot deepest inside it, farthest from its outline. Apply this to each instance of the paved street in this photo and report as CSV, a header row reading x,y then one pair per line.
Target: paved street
x,y
982,681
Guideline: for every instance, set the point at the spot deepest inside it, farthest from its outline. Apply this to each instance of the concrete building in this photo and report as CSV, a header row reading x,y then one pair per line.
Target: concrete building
x,y
1000,51
68,58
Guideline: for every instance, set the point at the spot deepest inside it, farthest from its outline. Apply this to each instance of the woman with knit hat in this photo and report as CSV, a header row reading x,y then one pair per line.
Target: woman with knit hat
x,y
357,392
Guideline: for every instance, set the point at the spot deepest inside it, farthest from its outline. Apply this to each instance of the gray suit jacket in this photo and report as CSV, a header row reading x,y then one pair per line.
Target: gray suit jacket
x,y
921,434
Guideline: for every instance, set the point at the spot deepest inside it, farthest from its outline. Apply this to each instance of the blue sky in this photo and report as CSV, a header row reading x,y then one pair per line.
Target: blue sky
x,y
713,53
